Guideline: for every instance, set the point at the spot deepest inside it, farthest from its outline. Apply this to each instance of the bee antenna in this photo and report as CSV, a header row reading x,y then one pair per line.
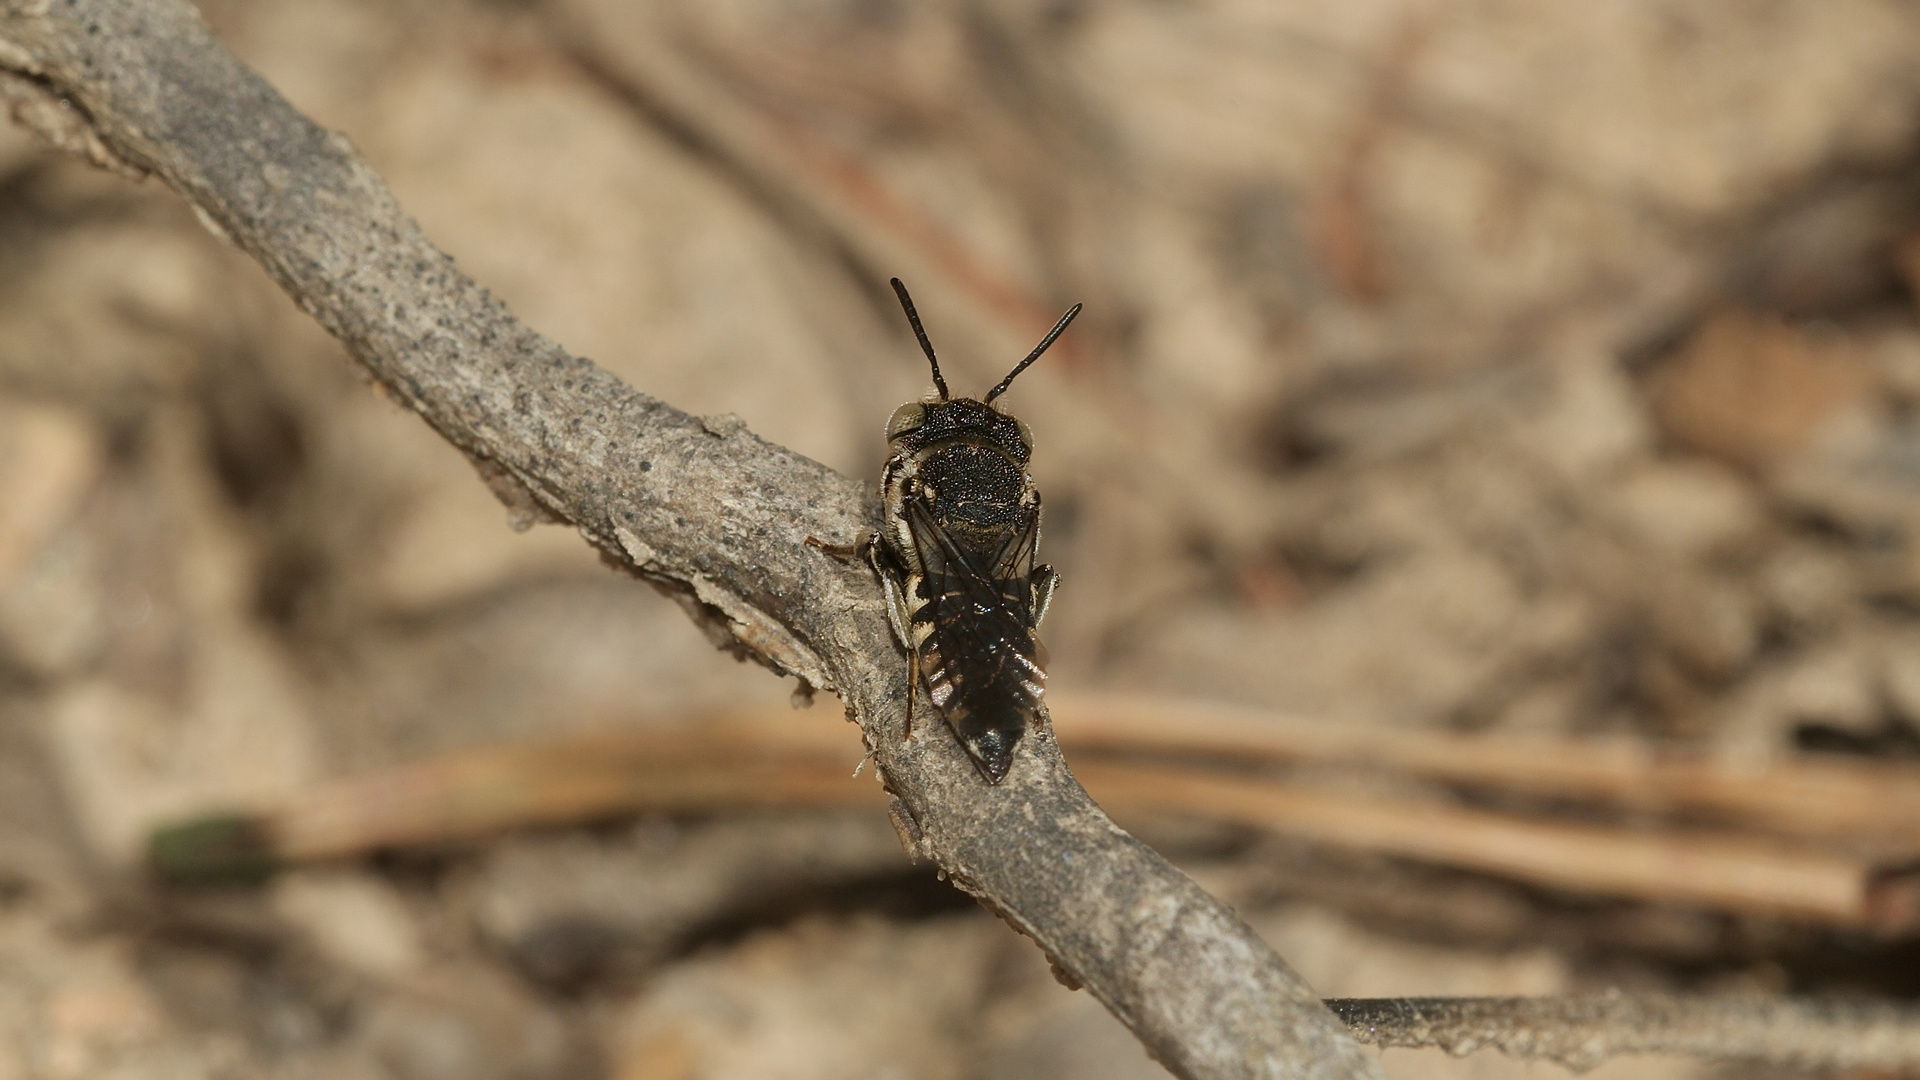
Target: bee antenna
x,y
1058,328
921,333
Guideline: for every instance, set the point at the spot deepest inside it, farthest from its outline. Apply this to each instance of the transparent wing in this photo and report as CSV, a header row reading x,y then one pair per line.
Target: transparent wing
x,y
981,658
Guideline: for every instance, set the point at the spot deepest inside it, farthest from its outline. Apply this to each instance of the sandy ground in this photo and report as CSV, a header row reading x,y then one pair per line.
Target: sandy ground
x,y
1486,366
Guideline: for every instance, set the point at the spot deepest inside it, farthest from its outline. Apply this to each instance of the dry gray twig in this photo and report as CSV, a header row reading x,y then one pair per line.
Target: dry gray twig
x,y
701,507
1581,1031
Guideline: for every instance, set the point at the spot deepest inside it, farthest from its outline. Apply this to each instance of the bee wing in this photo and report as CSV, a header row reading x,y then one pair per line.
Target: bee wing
x,y
980,654
1013,564
991,587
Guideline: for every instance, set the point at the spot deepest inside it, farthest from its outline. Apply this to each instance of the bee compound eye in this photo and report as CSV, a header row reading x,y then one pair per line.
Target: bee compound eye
x,y
905,418
1026,434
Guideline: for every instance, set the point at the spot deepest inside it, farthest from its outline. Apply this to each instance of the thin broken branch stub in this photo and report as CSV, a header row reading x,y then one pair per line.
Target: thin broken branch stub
x,y
1582,1030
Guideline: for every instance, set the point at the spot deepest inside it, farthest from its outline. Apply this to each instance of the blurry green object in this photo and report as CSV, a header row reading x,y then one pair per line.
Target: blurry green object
x,y
226,849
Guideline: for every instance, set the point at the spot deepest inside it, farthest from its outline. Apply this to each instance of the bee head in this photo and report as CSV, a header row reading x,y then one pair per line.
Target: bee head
x,y
918,423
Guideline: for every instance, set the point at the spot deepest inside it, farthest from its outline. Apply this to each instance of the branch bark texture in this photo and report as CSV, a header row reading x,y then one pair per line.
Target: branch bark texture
x,y
1582,1031
700,506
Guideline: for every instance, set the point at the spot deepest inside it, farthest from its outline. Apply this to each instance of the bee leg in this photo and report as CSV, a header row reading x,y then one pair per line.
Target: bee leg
x,y
897,616
913,683
1041,583
899,619
843,552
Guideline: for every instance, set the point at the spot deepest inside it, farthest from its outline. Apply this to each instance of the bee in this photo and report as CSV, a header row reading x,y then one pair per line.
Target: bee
x,y
956,559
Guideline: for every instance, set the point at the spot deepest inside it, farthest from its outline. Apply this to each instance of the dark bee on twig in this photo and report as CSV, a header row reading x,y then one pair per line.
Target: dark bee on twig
x,y
956,558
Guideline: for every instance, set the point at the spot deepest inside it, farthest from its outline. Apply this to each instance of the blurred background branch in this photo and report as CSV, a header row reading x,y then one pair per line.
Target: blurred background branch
x,y
1832,868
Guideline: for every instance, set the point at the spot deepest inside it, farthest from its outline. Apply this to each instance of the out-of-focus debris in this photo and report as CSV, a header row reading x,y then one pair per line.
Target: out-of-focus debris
x,y
1862,818
50,604
1803,796
49,460
468,1020
1076,1041
353,919
572,909
1342,227
727,764
1754,389
72,1009
1693,509
128,759
776,1006
820,186
1725,872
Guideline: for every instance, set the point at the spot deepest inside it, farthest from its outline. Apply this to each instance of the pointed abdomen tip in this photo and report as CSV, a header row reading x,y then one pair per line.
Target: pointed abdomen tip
x,y
992,752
